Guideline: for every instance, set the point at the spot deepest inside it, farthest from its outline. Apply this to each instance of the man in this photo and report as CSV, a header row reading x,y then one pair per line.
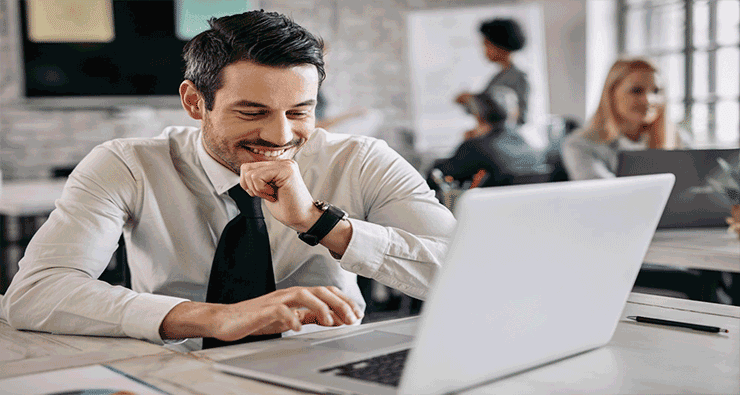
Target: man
x,y
494,145
252,81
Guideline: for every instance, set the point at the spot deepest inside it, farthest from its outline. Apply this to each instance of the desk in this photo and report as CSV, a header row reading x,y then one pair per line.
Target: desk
x,y
23,207
23,352
696,248
30,197
640,359
701,263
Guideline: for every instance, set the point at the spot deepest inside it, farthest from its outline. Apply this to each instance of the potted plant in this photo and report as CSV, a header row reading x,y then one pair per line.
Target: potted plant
x,y
727,184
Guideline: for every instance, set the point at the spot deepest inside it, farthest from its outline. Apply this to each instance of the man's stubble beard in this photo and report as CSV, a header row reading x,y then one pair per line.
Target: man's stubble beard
x,y
217,148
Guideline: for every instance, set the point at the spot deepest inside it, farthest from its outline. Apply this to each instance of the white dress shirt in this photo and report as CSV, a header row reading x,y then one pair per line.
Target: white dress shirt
x,y
170,199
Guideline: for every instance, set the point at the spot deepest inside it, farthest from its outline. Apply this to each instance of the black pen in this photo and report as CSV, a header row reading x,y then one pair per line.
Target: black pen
x,y
697,327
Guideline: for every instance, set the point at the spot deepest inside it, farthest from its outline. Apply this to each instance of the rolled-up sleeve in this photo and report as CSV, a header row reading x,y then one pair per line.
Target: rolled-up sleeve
x,y
403,238
56,288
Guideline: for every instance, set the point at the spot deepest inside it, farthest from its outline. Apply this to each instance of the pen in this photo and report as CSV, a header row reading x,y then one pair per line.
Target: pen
x,y
697,327
142,382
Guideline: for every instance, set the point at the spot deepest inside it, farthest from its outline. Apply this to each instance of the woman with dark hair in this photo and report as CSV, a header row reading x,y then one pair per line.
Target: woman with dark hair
x,y
501,38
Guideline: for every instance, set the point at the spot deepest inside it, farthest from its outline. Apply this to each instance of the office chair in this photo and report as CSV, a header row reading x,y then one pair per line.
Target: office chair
x,y
693,284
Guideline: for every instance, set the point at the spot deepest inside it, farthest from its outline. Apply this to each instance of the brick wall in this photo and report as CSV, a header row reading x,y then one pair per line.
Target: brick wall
x,y
366,67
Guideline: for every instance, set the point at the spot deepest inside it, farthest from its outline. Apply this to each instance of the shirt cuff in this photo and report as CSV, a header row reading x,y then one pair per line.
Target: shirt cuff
x,y
366,249
144,315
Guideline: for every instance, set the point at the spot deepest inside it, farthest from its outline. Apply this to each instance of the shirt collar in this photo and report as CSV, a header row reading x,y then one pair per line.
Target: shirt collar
x,y
221,177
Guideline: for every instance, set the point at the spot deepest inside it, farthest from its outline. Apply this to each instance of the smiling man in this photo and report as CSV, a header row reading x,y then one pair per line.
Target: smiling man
x,y
323,209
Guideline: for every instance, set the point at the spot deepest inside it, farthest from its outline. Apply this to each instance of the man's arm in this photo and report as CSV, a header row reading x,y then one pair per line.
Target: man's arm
x,y
56,289
279,311
404,233
466,161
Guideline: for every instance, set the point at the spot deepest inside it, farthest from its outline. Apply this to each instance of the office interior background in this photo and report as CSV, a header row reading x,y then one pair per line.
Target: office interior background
x,y
696,44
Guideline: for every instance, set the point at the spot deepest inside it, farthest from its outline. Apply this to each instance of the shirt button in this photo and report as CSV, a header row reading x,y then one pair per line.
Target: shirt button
x,y
356,267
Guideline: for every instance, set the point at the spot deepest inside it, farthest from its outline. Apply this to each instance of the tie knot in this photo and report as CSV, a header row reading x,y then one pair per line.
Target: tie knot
x,y
250,207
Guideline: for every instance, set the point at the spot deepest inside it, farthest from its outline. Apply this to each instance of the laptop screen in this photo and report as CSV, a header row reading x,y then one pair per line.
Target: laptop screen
x,y
693,202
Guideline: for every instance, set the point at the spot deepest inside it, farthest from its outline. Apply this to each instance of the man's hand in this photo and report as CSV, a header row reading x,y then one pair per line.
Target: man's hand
x,y
275,312
279,182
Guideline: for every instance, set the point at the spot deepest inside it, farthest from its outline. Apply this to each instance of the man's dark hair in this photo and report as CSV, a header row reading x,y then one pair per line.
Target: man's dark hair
x,y
265,38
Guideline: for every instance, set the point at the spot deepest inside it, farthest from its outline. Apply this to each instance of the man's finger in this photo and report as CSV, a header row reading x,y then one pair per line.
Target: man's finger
x,y
310,317
355,308
339,303
303,297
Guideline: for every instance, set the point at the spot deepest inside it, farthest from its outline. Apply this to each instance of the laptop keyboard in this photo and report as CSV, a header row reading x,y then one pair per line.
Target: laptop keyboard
x,y
384,369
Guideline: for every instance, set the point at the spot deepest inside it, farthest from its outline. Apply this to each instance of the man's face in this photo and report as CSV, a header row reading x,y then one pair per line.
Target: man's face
x,y
261,113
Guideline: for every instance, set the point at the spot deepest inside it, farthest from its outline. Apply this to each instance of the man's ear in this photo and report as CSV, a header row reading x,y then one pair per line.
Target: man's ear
x,y
192,101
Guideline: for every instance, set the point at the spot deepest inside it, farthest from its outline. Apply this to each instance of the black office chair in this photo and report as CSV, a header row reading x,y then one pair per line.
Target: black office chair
x,y
693,284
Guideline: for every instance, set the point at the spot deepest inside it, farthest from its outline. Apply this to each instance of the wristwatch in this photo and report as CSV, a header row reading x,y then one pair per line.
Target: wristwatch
x,y
328,220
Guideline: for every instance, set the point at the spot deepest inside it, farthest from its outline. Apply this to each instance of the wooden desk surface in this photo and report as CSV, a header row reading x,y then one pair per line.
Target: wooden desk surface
x,y
640,359
23,352
697,248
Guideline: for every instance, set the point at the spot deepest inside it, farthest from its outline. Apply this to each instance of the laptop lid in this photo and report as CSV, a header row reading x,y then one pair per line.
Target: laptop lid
x,y
693,203
534,273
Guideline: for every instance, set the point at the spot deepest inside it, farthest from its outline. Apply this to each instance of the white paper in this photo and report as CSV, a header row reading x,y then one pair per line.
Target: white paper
x,y
89,380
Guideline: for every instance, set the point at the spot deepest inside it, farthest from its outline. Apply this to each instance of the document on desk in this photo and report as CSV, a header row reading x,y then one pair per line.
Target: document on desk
x,y
88,380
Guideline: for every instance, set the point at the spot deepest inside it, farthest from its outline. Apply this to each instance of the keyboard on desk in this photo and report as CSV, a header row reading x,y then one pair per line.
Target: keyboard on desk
x,y
384,369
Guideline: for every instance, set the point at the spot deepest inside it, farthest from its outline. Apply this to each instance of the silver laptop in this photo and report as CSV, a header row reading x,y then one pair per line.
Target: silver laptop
x,y
693,203
534,273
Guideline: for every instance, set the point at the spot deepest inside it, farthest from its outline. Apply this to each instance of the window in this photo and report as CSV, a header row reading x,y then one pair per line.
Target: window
x,y
696,45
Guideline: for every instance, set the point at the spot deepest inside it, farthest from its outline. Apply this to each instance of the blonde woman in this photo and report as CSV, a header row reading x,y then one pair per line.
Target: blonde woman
x,y
631,116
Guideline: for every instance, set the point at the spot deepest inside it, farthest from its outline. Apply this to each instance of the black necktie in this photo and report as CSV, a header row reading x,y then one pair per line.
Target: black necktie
x,y
242,265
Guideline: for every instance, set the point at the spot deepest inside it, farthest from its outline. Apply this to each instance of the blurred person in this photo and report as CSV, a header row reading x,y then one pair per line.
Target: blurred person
x,y
631,116
493,146
501,38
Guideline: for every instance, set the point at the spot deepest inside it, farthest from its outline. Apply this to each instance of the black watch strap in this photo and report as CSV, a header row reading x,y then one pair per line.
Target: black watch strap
x,y
328,220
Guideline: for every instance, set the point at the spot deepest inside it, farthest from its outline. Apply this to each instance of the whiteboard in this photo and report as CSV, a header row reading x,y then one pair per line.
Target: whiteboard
x,y
447,57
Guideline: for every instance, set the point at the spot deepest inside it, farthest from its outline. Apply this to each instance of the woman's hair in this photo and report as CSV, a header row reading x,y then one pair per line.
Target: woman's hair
x,y
604,125
504,33
265,38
